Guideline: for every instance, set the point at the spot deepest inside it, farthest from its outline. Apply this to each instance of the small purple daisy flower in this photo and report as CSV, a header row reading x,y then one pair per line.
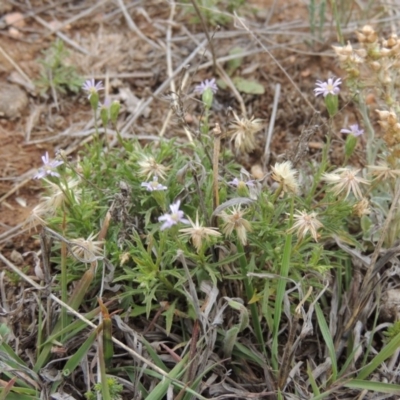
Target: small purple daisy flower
x,y
354,130
235,182
91,87
207,84
154,185
172,219
331,86
48,167
106,105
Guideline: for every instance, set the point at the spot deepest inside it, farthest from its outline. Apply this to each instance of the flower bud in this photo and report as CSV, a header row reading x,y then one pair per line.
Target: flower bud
x,y
104,115
207,98
332,104
114,111
350,145
242,189
94,100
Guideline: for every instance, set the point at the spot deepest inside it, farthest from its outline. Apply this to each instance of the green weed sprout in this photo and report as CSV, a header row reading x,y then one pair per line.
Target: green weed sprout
x,y
211,11
56,73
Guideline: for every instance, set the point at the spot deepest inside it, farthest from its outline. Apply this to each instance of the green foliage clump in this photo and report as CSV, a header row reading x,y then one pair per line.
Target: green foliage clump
x,y
55,72
211,11
392,331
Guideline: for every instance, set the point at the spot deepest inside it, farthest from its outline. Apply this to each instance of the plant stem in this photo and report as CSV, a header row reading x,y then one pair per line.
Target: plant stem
x,y
64,293
322,167
371,150
249,294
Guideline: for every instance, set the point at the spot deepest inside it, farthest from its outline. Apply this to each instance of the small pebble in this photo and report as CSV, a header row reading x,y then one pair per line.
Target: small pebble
x,y
13,101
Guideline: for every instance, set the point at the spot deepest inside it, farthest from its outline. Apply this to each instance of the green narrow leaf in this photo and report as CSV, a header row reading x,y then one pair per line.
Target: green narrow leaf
x,y
161,389
233,65
266,309
378,387
244,314
10,352
19,396
230,340
197,381
383,355
4,393
76,358
312,381
280,292
74,302
242,351
108,345
169,316
248,86
154,356
328,340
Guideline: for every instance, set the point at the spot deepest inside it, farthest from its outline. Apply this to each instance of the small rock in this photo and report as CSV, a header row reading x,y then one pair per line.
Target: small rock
x,y
13,101
390,305
16,257
257,171
15,19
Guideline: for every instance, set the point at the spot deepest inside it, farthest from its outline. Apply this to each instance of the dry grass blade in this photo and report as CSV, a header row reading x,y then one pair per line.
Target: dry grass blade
x,y
133,26
160,89
16,66
244,26
271,124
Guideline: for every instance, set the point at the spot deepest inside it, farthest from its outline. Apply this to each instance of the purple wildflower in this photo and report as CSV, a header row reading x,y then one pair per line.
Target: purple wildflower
x,y
154,185
106,105
329,87
91,87
354,130
236,182
207,84
173,218
48,167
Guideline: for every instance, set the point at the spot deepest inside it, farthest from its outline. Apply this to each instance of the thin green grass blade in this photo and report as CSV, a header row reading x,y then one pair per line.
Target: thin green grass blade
x,y
108,345
154,356
161,389
10,352
312,381
280,292
72,329
328,340
7,388
383,355
337,21
105,388
266,309
348,362
20,393
76,358
169,316
19,396
26,378
378,387
249,293
74,302
230,340
325,394
196,383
